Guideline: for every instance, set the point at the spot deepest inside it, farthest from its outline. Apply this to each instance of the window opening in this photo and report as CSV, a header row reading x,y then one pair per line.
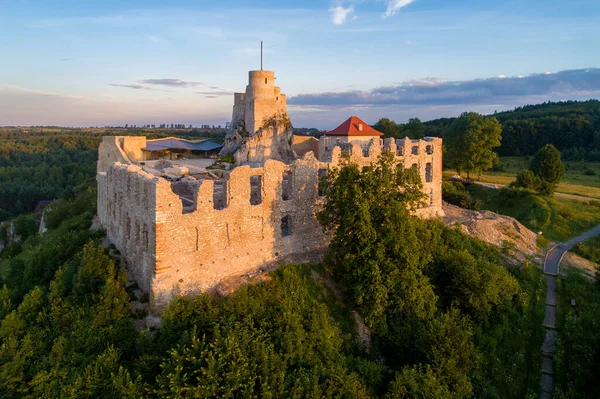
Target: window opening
x,y
321,175
255,190
428,173
286,226
220,194
286,186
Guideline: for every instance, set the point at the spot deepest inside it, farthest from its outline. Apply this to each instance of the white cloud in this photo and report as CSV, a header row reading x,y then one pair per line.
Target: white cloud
x,y
501,76
394,5
340,13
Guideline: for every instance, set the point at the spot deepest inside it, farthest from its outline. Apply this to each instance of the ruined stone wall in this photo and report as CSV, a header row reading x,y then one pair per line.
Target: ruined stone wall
x,y
126,209
305,144
238,109
254,217
425,155
195,251
124,149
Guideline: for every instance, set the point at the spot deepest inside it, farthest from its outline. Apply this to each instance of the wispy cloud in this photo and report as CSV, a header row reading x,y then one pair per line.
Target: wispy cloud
x,y
170,82
433,91
215,92
339,14
132,86
148,84
394,5
342,9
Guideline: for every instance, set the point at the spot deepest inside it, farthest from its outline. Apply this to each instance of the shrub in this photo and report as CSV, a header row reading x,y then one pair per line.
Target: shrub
x,y
455,193
539,216
527,179
589,172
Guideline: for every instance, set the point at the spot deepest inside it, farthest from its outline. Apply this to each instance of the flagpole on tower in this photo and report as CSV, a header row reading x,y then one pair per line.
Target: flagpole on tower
x,y
261,52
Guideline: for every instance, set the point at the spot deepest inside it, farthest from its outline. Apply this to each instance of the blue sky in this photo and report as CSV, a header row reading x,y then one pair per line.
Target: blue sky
x,y
114,62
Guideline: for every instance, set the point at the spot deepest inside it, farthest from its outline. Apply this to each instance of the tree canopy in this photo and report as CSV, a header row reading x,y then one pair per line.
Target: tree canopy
x,y
413,129
573,127
470,141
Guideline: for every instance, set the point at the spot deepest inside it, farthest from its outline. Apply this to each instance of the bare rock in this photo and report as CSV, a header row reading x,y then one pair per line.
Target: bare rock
x,y
153,321
495,229
363,332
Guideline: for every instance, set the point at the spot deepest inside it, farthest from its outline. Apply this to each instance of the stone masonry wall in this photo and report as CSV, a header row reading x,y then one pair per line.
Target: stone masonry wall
x,y
305,144
195,251
425,155
267,215
261,101
126,209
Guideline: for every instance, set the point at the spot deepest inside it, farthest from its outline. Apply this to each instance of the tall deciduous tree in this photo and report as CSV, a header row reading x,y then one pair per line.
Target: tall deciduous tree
x,y
548,166
375,251
388,127
414,128
470,142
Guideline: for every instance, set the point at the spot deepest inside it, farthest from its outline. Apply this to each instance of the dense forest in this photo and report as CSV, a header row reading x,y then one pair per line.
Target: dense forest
x,y
39,164
571,126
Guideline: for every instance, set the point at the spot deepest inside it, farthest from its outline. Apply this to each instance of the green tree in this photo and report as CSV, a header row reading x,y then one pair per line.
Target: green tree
x,y
388,127
527,179
375,252
548,166
470,141
414,128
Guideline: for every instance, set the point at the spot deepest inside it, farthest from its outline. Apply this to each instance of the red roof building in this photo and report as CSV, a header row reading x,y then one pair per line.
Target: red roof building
x,y
353,127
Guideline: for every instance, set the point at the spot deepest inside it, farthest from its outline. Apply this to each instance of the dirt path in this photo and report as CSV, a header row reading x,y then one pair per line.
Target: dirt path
x,y
562,195
551,269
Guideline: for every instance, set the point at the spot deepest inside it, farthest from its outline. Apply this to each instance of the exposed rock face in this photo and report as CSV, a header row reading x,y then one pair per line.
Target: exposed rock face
x,y
231,144
499,230
273,141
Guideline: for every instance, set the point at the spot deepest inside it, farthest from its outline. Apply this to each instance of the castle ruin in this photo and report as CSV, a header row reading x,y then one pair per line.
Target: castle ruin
x,y
183,229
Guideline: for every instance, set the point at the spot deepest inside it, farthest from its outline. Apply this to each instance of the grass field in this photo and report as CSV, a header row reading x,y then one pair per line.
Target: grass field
x,y
589,249
557,218
578,179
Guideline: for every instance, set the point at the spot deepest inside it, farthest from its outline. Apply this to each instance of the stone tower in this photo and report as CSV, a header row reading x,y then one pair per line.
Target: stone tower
x,y
261,101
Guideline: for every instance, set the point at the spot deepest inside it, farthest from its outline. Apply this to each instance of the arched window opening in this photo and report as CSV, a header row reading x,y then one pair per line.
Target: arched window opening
x,y
428,173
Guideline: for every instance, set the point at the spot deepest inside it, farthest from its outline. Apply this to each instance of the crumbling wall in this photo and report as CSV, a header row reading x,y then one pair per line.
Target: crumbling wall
x,y
126,209
252,218
196,250
425,155
304,144
124,149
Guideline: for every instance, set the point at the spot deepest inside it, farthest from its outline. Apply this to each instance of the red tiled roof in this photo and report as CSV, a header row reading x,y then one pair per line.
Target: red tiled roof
x,y
351,128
